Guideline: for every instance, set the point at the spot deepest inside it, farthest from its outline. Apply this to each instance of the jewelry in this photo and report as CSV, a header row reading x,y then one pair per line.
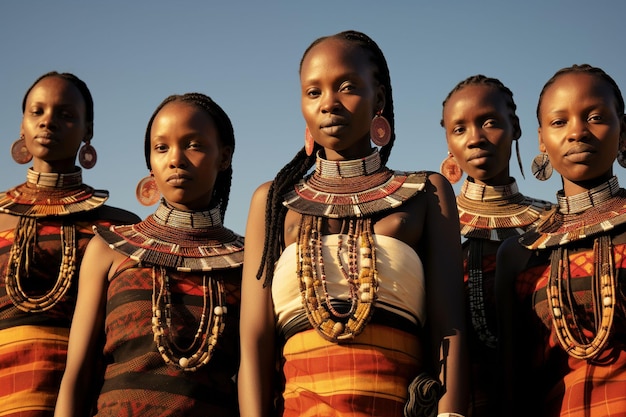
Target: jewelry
x,y
147,192
210,326
182,240
19,151
476,294
309,142
497,212
541,167
585,215
51,194
19,261
451,169
363,284
353,188
87,156
380,129
43,195
603,291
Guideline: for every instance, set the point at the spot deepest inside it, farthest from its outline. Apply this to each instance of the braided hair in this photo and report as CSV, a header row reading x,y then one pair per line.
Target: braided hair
x,y
77,82
298,167
480,79
221,189
584,69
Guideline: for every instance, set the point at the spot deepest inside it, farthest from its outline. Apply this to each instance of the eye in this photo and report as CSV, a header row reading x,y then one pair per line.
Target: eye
x,y
194,145
312,92
595,118
160,148
490,123
458,130
35,111
557,123
347,86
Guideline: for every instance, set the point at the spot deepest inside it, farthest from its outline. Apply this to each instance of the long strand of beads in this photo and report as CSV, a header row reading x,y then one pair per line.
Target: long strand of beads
x,y
25,235
603,278
475,284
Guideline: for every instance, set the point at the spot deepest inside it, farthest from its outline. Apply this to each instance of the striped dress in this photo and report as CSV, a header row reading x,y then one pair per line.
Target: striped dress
x,y
137,381
33,346
562,385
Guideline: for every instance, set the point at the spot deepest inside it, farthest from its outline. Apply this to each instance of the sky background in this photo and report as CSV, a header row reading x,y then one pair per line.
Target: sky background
x,y
245,55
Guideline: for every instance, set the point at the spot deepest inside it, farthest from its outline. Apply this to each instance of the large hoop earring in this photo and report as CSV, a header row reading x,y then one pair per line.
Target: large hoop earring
x,y
451,169
147,192
309,142
380,129
541,167
87,156
19,151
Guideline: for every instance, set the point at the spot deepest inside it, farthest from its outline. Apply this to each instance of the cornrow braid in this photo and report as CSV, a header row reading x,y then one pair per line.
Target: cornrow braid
x,y
480,79
300,165
223,182
77,82
584,69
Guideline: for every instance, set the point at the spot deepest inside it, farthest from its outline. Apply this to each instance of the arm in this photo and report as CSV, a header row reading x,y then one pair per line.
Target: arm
x,y
257,330
87,327
445,294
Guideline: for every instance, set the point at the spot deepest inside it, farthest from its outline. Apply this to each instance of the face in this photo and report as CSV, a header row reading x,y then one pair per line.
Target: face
x,y
340,97
186,155
580,129
54,124
480,129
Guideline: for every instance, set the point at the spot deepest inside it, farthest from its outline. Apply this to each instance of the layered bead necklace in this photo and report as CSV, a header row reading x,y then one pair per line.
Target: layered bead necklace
x,y
44,195
491,213
586,215
187,242
350,190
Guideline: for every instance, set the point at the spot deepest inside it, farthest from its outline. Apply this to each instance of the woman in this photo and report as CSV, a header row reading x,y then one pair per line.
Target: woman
x,y
46,224
339,263
163,295
561,287
481,125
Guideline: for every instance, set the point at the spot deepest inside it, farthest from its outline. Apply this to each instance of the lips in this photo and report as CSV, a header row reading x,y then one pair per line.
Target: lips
x,y
333,122
45,138
178,179
580,149
478,155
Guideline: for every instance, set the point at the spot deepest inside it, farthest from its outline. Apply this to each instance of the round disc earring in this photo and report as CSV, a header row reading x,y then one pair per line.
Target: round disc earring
x,y
147,192
451,169
19,151
87,156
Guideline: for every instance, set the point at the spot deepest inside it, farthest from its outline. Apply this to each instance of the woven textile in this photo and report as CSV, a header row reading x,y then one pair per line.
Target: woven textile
x,y
569,386
33,345
366,377
137,382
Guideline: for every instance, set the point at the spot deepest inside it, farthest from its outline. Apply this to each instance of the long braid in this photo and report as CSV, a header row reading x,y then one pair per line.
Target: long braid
x,y
585,69
300,165
223,182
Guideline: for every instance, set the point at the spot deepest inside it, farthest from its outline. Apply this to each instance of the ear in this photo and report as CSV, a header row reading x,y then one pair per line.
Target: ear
x,y
542,147
89,132
226,156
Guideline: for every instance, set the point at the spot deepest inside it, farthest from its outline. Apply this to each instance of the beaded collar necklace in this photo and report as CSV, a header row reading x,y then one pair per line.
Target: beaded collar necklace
x,y
182,240
353,188
44,195
497,212
51,194
584,215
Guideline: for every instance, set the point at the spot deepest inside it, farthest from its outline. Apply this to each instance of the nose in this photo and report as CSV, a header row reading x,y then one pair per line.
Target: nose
x,y
330,103
475,136
578,129
177,158
47,120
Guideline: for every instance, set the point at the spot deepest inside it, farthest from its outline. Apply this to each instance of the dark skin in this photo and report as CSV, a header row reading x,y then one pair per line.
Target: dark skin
x,y
339,99
581,131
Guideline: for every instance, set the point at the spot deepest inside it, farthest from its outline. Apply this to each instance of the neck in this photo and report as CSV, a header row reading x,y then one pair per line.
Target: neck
x,y
167,215
482,192
54,179
593,197
348,168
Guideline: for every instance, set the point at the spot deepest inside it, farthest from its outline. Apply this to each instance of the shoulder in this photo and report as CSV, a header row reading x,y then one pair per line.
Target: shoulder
x,y
259,196
116,215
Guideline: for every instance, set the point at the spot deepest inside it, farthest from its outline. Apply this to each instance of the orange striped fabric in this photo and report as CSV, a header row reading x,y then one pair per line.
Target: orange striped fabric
x,y
366,377
35,359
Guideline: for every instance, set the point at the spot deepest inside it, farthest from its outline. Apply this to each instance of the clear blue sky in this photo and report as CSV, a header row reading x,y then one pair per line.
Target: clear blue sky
x,y
133,54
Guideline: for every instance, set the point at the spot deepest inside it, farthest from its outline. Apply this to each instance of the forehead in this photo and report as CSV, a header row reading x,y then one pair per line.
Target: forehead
x,y
476,97
55,88
332,52
581,84
180,114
